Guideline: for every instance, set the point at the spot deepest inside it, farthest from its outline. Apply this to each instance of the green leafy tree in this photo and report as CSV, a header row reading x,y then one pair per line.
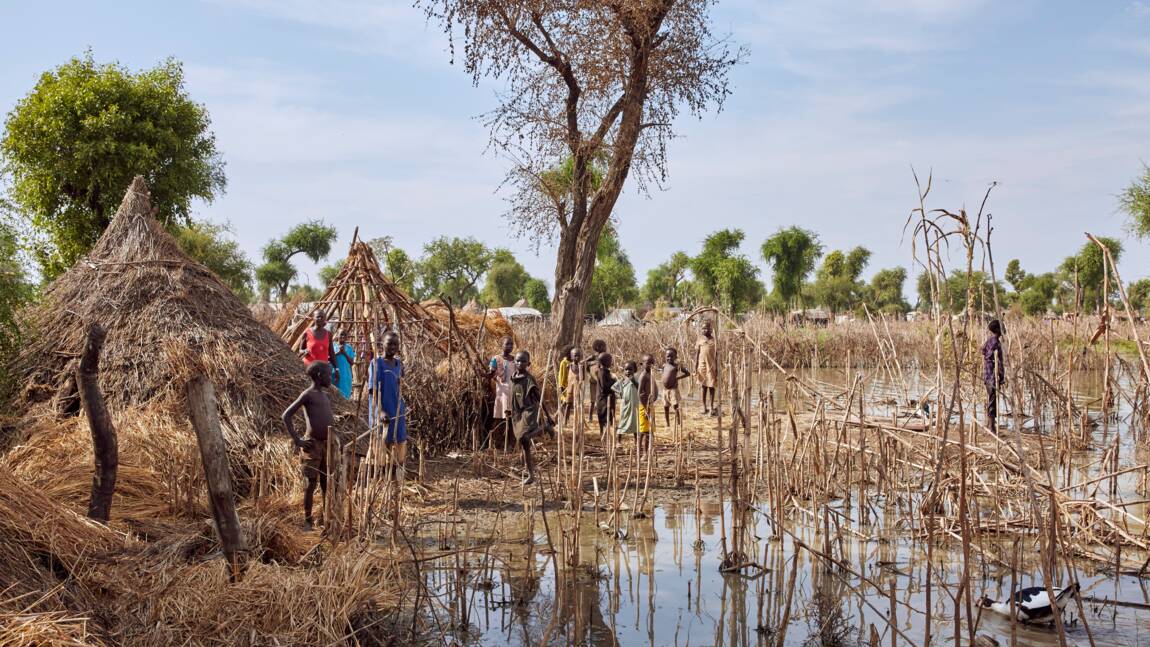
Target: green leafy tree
x,y
209,244
1086,270
452,267
666,282
792,254
312,239
327,273
401,269
723,276
506,280
1015,275
922,289
15,291
837,286
613,282
885,291
1138,292
1135,201
535,291
74,143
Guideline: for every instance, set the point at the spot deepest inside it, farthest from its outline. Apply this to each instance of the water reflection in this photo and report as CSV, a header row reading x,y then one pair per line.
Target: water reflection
x,y
658,582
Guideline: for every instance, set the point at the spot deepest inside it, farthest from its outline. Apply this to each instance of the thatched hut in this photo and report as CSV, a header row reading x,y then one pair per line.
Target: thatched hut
x,y
167,317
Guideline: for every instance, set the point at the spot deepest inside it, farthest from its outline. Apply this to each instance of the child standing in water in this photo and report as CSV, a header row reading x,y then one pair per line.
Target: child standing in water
x,y
707,368
993,371
318,418
388,412
672,373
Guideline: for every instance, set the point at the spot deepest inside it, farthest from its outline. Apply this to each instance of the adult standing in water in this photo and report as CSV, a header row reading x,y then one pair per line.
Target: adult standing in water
x,y
993,371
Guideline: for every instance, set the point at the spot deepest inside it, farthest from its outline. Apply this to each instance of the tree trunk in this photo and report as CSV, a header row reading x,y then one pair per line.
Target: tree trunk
x,y
104,448
213,451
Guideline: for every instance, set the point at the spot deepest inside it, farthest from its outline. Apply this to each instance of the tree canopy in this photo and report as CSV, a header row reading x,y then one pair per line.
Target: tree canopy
x,y
599,83
885,291
613,283
452,267
15,291
506,280
313,239
74,143
1087,269
667,282
724,276
792,254
1135,201
211,245
837,286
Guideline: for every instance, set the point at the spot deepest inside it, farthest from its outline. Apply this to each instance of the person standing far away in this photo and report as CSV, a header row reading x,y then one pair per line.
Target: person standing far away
x,y
605,392
572,380
318,417
598,347
344,360
528,415
501,370
707,368
627,390
647,394
672,373
993,371
317,345
384,380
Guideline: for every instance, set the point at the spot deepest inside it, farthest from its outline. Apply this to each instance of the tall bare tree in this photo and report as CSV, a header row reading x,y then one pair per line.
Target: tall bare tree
x,y
592,89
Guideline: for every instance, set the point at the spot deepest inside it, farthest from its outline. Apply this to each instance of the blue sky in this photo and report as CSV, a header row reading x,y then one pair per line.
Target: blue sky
x,y
351,112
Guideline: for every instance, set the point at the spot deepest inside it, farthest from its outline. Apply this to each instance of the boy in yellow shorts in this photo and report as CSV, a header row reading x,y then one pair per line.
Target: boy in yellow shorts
x,y
647,397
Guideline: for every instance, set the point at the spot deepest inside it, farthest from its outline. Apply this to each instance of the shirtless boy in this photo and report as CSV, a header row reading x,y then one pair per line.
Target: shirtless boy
x,y
318,416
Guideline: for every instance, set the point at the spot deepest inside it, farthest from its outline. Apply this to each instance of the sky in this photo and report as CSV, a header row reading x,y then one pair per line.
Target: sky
x,y
352,112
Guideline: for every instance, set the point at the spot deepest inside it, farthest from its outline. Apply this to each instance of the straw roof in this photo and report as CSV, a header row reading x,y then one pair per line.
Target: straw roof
x,y
166,316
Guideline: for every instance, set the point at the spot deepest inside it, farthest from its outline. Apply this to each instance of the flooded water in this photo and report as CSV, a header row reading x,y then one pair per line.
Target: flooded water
x,y
657,580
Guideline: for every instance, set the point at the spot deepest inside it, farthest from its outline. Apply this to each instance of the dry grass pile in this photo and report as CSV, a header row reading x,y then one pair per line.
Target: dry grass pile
x,y
155,304
29,628
67,580
485,331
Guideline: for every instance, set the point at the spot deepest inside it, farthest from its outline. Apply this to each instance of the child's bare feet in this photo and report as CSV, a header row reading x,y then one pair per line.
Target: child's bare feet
x,y
529,479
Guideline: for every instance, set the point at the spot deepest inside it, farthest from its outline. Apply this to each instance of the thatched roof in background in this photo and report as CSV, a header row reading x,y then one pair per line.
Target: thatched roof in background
x,y
166,316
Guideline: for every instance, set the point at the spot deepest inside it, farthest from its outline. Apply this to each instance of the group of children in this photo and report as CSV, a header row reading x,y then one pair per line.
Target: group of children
x,y
387,412
627,401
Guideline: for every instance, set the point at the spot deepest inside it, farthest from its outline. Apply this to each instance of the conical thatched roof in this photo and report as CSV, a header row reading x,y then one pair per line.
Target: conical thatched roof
x,y
166,316
362,301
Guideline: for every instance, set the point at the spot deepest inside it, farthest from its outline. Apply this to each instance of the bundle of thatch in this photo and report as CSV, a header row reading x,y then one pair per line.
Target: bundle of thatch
x,y
485,328
167,317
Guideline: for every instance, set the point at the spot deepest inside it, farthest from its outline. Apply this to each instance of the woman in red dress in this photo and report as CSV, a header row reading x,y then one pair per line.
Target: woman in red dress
x,y
317,345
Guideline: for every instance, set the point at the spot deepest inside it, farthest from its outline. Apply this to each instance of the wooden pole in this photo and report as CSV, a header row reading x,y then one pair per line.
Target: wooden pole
x,y
104,447
213,451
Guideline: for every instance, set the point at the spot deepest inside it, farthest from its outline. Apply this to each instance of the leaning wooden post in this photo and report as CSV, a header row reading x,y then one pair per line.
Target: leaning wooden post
x,y
104,447
206,421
